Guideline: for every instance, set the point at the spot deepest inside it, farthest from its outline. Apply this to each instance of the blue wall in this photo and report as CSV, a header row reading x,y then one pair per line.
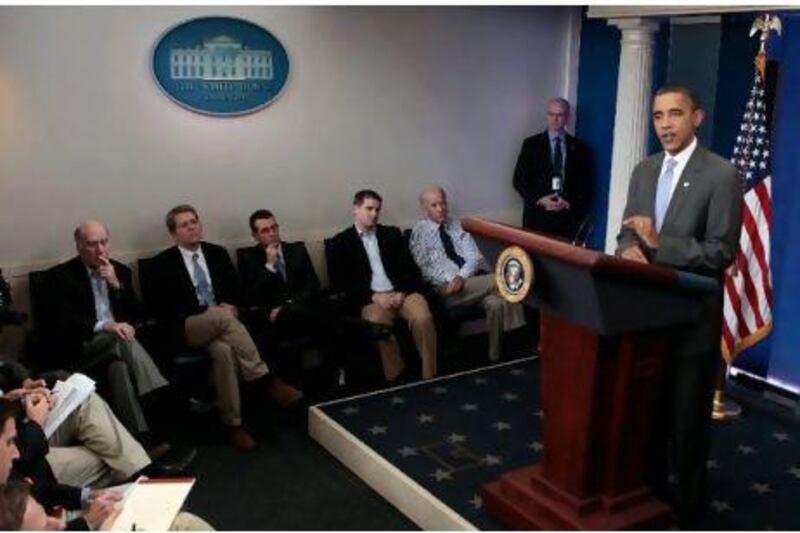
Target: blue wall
x,y
597,89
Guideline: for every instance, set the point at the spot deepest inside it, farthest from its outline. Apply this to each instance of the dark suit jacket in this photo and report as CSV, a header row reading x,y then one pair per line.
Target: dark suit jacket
x,y
701,228
267,289
533,179
176,298
73,314
32,463
700,232
348,264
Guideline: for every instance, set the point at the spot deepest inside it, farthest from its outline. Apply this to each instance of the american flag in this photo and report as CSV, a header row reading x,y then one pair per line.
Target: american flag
x,y
748,282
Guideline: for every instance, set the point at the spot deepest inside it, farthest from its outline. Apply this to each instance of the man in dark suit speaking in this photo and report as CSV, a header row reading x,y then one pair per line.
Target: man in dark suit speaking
x,y
684,211
554,177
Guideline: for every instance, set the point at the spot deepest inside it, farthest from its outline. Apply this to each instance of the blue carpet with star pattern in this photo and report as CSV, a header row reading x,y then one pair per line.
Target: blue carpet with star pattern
x,y
455,434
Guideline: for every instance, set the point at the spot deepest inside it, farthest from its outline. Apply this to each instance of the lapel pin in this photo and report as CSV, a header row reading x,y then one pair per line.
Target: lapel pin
x,y
685,183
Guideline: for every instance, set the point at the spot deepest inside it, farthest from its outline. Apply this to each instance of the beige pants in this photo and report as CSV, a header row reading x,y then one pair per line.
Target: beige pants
x,y
234,355
501,315
189,522
415,311
93,448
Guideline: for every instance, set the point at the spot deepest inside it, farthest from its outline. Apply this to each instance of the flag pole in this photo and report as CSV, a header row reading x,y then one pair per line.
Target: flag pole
x,y
726,408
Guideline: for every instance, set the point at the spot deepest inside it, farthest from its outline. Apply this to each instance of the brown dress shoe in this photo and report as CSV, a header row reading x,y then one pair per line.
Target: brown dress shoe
x,y
240,439
283,393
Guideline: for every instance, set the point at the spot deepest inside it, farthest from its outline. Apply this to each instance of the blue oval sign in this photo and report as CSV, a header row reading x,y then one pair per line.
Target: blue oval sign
x,y
220,65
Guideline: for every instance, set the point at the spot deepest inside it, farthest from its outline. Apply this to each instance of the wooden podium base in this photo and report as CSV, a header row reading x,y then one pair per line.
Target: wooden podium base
x,y
523,499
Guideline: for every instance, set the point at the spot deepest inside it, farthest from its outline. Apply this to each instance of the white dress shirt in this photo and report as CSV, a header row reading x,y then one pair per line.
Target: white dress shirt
x,y
380,280
102,304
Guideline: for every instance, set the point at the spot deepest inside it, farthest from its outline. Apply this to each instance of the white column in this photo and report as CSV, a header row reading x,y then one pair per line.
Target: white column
x,y
632,119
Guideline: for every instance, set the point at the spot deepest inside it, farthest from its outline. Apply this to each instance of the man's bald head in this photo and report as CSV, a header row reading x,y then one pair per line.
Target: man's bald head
x,y
434,204
91,241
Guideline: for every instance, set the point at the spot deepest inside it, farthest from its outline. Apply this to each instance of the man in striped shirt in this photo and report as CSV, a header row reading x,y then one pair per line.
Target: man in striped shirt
x,y
450,261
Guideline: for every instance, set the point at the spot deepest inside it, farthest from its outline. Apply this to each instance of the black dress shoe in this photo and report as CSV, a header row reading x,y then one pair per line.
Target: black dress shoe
x,y
174,463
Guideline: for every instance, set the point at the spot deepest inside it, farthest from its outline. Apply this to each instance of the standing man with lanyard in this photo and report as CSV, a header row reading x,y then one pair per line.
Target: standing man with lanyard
x,y
553,175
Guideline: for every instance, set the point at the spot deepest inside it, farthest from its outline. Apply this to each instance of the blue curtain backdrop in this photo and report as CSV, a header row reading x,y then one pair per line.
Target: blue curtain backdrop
x,y
776,358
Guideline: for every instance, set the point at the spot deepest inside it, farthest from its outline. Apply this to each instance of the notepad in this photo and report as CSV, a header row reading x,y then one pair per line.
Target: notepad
x,y
68,396
152,504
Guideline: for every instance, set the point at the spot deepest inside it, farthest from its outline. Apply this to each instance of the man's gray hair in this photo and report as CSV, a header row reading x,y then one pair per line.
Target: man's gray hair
x,y
562,101
426,190
78,233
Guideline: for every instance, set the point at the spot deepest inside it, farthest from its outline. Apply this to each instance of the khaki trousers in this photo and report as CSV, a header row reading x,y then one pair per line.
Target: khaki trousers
x,y
189,522
234,355
92,447
501,316
415,311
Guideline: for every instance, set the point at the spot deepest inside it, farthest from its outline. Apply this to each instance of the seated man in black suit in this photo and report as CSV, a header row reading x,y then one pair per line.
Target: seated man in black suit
x,y
95,309
198,294
372,264
554,177
279,278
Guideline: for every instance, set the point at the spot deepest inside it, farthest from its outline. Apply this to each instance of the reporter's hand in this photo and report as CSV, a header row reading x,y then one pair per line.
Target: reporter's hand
x,y
29,383
108,523
109,493
123,330
37,407
100,511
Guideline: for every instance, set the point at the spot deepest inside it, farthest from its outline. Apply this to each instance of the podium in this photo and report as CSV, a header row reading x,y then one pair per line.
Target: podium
x,y
605,323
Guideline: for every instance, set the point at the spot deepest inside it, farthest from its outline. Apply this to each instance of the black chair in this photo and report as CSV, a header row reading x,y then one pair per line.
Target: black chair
x,y
298,359
188,369
448,318
42,350
362,362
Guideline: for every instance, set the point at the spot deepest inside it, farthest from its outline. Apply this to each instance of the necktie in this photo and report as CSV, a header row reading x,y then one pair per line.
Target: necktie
x,y
664,191
280,266
449,249
204,292
558,158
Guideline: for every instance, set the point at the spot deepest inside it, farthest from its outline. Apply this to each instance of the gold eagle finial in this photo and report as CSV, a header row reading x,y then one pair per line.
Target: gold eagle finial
x,y
764,25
